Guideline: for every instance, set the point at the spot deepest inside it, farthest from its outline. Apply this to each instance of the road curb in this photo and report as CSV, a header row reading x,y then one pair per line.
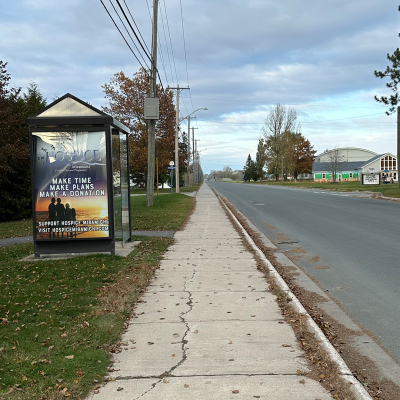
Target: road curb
x,y
357,387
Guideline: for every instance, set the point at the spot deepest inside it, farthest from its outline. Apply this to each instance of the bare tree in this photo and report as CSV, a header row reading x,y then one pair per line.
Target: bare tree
x,y
279,120
280,125
335,160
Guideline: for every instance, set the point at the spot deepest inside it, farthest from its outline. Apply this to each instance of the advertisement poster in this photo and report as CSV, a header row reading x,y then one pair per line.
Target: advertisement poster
x,y
70,185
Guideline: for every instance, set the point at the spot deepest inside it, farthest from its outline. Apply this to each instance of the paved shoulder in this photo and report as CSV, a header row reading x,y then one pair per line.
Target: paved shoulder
x,y
15,240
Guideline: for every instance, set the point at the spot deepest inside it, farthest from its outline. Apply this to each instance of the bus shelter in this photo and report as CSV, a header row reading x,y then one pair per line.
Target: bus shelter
x,y
80,179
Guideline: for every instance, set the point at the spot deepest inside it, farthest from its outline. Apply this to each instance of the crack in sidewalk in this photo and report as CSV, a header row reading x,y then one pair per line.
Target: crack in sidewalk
x,y
184,341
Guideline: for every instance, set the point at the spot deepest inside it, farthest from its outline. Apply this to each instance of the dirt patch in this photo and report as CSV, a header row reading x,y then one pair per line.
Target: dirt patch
x,y
321,366
281,237
314,259
322,267
295,258
299,250
268,225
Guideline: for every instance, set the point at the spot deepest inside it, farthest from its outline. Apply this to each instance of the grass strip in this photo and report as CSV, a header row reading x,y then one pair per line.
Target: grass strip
x,y
167,213
16,228
59,320
387,190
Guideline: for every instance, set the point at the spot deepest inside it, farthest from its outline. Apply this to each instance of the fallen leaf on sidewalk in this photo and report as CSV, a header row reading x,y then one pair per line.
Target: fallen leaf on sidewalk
x,y
186,385
235,391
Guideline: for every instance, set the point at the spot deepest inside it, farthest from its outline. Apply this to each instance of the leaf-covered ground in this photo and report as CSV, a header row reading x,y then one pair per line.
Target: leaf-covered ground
x,y
60,319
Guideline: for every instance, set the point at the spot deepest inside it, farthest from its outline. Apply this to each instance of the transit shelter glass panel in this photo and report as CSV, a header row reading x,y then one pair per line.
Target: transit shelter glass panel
x,y
70,185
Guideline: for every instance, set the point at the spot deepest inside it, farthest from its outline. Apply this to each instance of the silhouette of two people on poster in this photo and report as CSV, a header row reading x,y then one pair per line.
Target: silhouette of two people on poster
x,y
58,212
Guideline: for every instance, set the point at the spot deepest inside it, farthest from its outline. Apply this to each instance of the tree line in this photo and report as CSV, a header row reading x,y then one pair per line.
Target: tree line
x,y
125,97
282,151
226,173
15,171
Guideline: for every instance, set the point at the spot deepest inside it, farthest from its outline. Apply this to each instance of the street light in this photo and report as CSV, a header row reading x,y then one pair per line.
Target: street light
x,y
205,108
177,152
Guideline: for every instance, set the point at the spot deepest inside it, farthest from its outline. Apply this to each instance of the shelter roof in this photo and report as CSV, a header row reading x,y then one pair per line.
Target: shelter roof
x,y
70,110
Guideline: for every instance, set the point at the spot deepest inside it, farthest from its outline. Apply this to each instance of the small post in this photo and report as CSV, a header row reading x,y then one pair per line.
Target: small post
x,y
157,173
172,179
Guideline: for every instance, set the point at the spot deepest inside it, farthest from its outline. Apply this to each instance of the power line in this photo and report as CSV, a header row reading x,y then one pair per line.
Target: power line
x,y
170,41
136,25
123,35
294,104
147,68
128,33
306,122
137,38
184,48
166,46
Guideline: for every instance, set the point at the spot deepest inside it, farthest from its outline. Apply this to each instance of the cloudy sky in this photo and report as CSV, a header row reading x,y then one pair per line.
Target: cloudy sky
x,y
239,57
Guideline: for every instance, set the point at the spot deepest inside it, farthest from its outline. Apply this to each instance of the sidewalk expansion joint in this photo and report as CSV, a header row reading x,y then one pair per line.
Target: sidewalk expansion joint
x,y
162,376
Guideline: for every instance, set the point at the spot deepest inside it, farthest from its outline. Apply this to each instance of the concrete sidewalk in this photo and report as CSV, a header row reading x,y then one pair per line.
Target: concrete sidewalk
x,y
207,327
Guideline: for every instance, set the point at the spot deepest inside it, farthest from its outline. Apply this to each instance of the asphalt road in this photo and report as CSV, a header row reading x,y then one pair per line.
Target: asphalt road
x,y
357,240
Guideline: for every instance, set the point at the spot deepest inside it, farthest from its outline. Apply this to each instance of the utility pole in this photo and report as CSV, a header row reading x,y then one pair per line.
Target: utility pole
x,y
197,162
193,153
151,149
188,161
178,89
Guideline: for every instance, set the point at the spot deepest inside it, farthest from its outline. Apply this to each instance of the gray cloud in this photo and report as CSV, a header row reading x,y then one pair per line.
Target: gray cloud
x,y
242,57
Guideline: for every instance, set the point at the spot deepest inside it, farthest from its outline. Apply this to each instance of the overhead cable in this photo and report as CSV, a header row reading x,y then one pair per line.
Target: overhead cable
x,y
184,48
136,26
123,35
137,38
170,41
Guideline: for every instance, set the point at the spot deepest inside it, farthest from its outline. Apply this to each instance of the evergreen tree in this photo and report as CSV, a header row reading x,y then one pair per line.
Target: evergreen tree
x,y
260,159
247,169
392,72
15,172
250,170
